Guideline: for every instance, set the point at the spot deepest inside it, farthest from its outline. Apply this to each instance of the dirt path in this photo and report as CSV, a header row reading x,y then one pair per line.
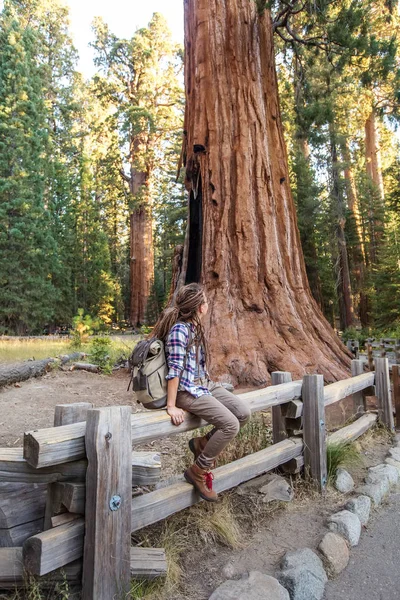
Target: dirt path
x,y
31,406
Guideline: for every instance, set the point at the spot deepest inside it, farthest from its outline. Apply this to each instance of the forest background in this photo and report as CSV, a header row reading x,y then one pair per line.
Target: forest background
x,y
92,196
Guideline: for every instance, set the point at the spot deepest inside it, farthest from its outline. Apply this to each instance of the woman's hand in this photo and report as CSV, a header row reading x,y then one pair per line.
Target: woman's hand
x,y
177,414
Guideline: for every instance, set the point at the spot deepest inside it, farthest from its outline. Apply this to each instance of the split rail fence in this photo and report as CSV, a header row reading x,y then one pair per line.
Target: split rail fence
x,y
66,505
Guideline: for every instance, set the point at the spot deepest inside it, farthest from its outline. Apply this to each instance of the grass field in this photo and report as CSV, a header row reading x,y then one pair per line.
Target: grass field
x,y
17,350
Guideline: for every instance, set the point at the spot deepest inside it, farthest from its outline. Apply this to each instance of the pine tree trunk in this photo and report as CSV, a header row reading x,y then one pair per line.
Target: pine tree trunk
x,y
374,172
244,243
346,310
373,154
141,248
358,254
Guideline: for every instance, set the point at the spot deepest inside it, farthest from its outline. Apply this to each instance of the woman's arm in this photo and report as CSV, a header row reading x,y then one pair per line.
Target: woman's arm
x,y
177,414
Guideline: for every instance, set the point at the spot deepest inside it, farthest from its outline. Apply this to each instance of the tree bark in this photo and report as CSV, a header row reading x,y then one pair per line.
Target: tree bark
x,y
141,263
374,172
345,297
13,373
244,243
358,254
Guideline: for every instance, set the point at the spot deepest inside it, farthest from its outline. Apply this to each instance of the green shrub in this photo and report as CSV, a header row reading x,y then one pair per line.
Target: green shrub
x,y
342,454
100,354
84,326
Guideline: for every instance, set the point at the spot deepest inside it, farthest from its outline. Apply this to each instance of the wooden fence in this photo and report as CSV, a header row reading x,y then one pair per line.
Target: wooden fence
x,y
66,500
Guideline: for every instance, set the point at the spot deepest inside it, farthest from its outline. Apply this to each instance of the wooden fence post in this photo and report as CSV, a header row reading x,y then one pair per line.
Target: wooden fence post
x,y
66,414
106,559
314,429
370,357
382,383
396,391
357,368
279,432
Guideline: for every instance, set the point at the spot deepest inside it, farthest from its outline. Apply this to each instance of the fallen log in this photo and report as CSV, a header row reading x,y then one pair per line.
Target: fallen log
x,y
65,358
85,367
15,372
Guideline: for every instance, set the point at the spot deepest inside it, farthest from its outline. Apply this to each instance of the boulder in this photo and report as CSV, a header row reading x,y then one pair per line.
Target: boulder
x,y
394,453
381,471
347,524
303,575
375,491
344,482
335,551
360,506
393,463
277,489
254,586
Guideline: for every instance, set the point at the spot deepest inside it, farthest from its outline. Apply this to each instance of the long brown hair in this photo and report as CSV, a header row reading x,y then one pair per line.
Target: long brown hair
x,y
185,308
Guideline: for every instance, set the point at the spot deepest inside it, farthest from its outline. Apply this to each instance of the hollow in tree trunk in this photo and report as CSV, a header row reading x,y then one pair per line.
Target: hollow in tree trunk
x,y
243,241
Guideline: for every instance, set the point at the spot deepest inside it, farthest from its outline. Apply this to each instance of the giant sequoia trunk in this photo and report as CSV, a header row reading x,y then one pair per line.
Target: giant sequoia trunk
x,y
244,244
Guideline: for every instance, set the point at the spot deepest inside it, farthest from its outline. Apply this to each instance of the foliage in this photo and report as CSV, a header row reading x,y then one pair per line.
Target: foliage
x,y
83,327
344,454
100,354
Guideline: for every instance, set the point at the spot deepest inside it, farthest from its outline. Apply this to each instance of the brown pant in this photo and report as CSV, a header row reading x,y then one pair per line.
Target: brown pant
x,y
224,410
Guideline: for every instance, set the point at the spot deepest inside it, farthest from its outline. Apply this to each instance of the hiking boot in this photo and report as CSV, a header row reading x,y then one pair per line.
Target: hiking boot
x,y
197,445
202,481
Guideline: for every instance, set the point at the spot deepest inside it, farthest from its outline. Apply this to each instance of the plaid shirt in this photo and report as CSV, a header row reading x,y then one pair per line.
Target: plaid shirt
x,y
175,349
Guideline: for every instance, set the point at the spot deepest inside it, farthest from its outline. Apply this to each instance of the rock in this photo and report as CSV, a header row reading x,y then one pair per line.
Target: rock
x,y
361,507
253,485
382,471
303,575
335,551
346,524
375,491
344,482
255,586
229,571
394,453
277,489
393,463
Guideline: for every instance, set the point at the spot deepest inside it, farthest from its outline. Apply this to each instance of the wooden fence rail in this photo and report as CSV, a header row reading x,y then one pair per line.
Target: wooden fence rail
x,y
88,464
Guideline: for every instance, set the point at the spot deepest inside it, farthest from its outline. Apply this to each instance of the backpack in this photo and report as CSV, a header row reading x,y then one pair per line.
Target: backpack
x,y
149,369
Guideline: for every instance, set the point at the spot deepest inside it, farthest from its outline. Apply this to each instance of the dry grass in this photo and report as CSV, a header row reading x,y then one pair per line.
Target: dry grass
x,y
25,349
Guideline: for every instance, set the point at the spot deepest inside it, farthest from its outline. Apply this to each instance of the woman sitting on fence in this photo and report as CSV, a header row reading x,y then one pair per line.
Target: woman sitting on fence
x,y
190,389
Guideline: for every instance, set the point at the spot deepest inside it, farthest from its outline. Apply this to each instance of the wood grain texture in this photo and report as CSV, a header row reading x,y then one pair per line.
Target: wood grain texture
x,y
279,431
52,446
343,389
12,573
357,368
314,429
382,384
106,573
353,431
66,414
146,468
67,517
148,563
153,507
14,468
396,392
53,548
16,536
21,503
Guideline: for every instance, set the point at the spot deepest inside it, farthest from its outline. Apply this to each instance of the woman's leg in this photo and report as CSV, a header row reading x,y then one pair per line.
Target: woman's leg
x,y
212,410
236,405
